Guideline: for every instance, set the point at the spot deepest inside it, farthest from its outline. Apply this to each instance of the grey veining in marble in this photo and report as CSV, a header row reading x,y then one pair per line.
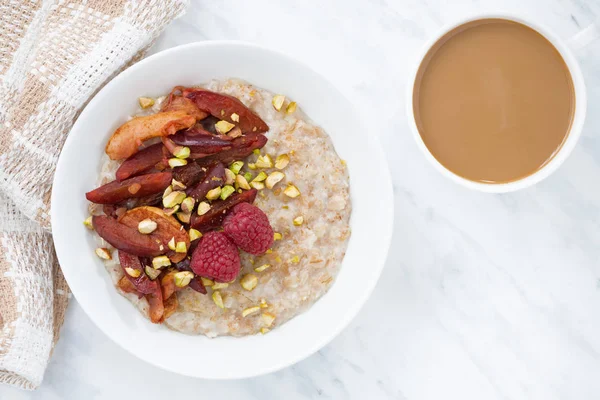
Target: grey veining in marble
x,y
483,296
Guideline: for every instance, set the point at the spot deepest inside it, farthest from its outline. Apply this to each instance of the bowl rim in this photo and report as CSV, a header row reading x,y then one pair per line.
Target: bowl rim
x,y
385,232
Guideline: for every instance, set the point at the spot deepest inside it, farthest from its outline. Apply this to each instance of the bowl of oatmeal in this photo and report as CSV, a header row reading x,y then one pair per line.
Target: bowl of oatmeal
x,y
234,208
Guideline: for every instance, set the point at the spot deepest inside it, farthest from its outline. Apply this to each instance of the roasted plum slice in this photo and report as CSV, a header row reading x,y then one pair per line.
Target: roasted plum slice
x,y
201,141
127,139
142,283
167,228
126,238
155,156
219,209
223,106
214,177
190,174
139,186
180,103
241,148
156,310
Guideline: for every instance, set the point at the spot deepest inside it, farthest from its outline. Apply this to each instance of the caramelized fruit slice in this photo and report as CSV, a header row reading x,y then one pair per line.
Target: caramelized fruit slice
x,y
219,209
215,176
223,106
125,285
128,137
167,283
190,174
154,156
201,141
167,228
126,238
142,283
170,305
242,147
156,311
180,103
139,186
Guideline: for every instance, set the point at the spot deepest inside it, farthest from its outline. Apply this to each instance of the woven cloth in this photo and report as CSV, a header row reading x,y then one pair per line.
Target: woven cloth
x,y
54,55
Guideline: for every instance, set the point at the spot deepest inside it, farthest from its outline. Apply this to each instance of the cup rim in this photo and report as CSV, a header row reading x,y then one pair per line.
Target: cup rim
x,y
574,133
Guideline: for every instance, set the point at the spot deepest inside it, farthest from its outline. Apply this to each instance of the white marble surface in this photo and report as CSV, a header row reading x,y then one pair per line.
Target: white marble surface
x,y
483,296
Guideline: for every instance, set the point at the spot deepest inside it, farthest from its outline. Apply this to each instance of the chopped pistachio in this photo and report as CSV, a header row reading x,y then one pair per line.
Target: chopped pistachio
x,y
249,281
206,281
88,222
236,166
214,193
235,117
264,330
180,247
218,299
278,259
224,126
183,278
267,318
171,245
187,205
146,102
175,184
229,176
263,303
194,234
343,162
260,177
262,267
103,253
167,191
257,185
251,166
277,236
133,272
282,161
160,261
291,191
269,251
151,272
172,210
295,260
203,207
220,285
264,162
298,220
248,176
227,191
181,152
291,107
177,162
184,217
278,100
235,132
256,152
273,179
242,182
147,226
250,310
173,199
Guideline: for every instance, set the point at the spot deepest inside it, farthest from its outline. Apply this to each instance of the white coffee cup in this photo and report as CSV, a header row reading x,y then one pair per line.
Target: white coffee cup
x,y
576,126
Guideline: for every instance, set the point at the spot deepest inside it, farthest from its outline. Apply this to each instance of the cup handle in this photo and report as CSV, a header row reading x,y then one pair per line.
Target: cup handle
x,y
584,37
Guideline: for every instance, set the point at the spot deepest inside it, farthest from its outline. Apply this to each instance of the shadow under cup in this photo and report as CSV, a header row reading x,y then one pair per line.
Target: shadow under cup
x,y
493,101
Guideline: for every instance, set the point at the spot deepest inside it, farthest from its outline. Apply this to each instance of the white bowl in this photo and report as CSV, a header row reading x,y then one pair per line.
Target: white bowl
x,y
223,357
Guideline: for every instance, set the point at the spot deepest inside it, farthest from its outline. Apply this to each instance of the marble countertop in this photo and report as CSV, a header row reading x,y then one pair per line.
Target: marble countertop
x,y
483,296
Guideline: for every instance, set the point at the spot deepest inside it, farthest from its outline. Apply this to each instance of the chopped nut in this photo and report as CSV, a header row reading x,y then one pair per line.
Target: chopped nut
x,y
264,162
173,199
194,234
278,259
249,281
214,193
181,152
278,100
291,191
235,132
183,278
175,184
146,102
206,281
220,285
171,211
227,191
263,303
171,243
267,318
218,299
256,152
160,261
203,207
180,247
260,177
133,272
235,117
269,251
177,162
167,191
299,220
224,126
229,176
291,107
250,310
277,236
343,162
251,166
88,221
147,226
282,161
274,178
262,267
257,185
236,166
242,182
151,272
264,331
103,253
295,260
248,176
184,217
187,205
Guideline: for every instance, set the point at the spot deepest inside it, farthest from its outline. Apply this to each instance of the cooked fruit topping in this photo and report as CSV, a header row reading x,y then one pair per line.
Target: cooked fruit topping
x,y
218,209
209,186
154,156
125,238
115,192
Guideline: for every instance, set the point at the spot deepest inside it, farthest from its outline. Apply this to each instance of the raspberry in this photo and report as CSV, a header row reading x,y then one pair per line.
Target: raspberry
x,y
248,227
216,257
